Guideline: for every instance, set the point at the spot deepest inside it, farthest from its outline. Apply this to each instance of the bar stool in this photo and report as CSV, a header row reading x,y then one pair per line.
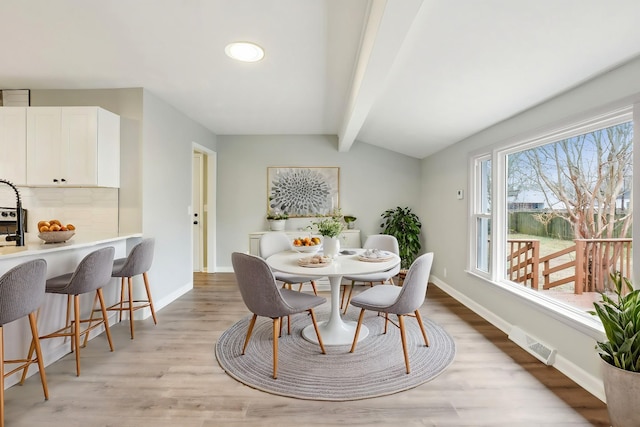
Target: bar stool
x,y
93,272
21,294
138,262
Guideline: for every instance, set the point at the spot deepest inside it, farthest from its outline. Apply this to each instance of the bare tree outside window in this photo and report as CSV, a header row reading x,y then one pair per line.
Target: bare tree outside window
x,y
586,181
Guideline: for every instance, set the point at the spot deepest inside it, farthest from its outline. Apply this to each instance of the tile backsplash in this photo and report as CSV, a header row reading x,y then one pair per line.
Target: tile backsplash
x,y
89,209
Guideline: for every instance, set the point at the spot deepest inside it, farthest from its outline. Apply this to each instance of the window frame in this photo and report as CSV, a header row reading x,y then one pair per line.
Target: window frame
x,y
499,217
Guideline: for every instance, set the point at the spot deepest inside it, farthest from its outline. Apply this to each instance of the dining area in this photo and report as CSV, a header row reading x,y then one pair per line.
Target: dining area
x,y
330,342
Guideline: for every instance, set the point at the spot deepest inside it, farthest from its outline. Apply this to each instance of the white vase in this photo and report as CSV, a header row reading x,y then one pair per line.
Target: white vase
x,y
331,246
277,224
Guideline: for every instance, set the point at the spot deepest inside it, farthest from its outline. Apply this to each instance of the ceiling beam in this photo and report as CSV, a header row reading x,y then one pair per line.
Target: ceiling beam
x,y
387,26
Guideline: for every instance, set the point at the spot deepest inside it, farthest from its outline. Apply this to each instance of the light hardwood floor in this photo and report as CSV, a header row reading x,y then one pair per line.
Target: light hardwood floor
x,y
168,376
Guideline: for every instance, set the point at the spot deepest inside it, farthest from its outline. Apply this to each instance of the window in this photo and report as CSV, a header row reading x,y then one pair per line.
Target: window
x,y
482,214
553,214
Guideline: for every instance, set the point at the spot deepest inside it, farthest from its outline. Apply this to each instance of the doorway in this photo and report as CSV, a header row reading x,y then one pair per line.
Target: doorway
x,y
198,211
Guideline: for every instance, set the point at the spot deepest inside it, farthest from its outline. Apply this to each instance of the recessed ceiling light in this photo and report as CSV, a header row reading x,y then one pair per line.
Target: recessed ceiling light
x,y
244,51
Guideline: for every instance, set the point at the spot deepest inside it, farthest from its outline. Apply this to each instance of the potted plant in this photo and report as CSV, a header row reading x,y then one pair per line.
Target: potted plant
x,y
349,219
277,220
405,226
620,353
330,228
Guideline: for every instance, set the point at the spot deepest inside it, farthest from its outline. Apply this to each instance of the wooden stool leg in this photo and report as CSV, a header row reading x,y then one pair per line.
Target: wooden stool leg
x,y
104,317
121,309
36,342
75,339
130,280
146,285
1,377
93,306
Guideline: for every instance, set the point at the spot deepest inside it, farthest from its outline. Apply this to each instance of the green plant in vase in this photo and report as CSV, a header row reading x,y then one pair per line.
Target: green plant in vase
x,y
405,226
349,219
620,352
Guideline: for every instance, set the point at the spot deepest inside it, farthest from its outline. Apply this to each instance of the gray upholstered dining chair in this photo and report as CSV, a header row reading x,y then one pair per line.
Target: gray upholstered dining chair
x,y
91,274
397,300
272,243
138,262
384,242
263,297
22,294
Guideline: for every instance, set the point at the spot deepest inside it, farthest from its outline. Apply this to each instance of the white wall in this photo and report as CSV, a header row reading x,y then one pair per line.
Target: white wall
x,y
446,230
371,180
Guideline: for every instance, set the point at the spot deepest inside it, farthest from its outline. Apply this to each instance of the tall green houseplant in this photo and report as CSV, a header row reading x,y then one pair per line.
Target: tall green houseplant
x,y
405,226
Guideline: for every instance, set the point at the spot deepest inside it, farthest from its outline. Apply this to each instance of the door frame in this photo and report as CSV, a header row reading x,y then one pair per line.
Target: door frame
x,y
209,208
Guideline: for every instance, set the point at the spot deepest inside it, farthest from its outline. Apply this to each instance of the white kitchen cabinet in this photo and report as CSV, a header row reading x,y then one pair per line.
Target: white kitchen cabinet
x,y
13,144
348,239
73,146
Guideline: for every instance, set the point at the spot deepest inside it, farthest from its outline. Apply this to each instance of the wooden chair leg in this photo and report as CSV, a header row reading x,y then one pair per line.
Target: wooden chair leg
x,y
315,326
313,285
249,332
105,319
276,327
386,322
355,337
424,333
346,307
404,342
36,343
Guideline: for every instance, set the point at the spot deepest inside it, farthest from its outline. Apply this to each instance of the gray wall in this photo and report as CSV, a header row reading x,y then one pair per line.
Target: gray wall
x,y
167,155
371,180
446,225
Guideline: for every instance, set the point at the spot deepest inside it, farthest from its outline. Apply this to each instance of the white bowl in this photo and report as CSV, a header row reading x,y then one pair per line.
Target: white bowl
x,y
307,249
56,236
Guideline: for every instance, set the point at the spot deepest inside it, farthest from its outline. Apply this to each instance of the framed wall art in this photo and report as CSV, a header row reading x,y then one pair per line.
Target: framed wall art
x,y
303,192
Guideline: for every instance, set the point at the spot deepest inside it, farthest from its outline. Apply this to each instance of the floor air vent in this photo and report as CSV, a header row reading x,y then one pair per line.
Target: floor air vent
x,y
532,345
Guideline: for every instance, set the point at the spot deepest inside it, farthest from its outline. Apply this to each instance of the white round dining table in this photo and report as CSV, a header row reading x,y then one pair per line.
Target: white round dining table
x,y
334,331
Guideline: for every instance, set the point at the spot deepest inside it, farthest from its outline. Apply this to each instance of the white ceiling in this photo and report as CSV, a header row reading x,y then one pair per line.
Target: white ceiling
x,y
412,76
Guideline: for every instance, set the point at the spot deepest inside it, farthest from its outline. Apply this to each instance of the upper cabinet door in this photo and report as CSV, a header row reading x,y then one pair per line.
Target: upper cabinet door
x,y
13,144
73,146
44,146
79,143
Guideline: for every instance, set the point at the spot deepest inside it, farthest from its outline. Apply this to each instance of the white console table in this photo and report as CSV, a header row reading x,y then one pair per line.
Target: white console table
x,y
348,239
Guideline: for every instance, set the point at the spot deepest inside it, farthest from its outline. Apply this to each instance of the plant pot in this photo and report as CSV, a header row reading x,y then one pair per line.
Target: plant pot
x,y
350,225
622,389
331,246
277,224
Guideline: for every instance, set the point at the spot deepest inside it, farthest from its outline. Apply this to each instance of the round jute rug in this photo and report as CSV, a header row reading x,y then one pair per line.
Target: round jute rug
x,y
376,368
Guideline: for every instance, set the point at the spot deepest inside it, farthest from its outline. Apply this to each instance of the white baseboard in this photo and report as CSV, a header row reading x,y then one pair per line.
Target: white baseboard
x,y
581,377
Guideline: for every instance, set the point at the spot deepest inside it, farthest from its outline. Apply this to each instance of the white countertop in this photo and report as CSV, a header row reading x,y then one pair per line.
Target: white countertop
x,y
79,240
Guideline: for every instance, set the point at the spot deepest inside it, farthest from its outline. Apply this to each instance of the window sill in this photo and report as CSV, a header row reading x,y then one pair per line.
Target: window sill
x,y
570,316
